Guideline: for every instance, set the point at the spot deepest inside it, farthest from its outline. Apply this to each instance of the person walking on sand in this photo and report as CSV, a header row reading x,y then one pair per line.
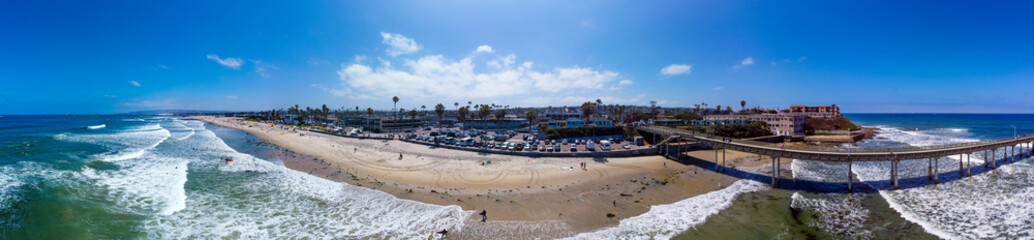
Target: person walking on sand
x,y
484,215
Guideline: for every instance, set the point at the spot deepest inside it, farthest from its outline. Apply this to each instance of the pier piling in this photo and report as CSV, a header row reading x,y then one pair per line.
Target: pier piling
x,y
936,170
894,173
850,181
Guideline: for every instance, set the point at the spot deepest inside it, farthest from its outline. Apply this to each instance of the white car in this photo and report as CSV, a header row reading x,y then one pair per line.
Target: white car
x,y
605,145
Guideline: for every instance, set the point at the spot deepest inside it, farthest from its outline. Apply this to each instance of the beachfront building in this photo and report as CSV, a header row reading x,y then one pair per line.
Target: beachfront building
x,y
574,122
555,124
563,113
505,123
670,122
383,124
601,122
779,124
815,111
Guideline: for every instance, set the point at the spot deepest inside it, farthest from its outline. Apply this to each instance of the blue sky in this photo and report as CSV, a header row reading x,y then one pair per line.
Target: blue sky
x,y
874,56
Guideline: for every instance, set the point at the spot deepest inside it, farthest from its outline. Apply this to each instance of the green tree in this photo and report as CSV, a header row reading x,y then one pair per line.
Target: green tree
x,y
440,111
461,114
530,116
413,113
588,108
499,115
743,105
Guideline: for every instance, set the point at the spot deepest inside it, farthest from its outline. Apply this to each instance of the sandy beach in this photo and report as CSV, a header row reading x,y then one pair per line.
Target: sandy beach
x,y
549,197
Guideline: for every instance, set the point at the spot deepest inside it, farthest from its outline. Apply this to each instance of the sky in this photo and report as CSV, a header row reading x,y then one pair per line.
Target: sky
x,y
99,57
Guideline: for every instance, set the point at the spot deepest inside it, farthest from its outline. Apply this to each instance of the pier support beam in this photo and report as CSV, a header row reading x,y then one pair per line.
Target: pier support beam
x,y
961,173
987,159
936,170
929,169
716,166
723,160
969,167
894,173
850,181
993,156
774,171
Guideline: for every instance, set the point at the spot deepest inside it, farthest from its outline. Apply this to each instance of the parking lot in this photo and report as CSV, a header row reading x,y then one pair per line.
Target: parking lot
x,y
513,140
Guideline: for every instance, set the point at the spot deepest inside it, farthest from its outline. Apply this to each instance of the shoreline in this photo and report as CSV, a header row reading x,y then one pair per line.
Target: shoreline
x,y
528,191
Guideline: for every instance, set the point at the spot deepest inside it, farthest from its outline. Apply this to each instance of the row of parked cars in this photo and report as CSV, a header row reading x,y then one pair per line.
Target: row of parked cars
x,y
531,144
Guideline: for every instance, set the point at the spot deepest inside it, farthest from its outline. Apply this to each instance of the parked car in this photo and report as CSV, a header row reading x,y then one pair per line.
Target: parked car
x,y
605,145
590,146
574,147
549,148
556,148
626,146
565,142
542,148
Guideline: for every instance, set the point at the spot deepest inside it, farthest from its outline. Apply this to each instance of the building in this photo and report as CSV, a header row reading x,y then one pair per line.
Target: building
x,y
505,123
779,124
574,122
563,113
815,111
383,124
670,122
601,122
555,124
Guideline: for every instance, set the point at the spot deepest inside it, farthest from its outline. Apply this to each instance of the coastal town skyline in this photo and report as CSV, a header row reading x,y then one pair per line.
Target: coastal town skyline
x,y
79,59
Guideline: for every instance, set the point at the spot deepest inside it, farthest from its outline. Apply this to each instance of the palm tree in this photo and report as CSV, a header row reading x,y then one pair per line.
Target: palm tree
x,y
499,115
369,114
587,110
484,111
412,114
461,114
440,111
395,101
743,104
530,116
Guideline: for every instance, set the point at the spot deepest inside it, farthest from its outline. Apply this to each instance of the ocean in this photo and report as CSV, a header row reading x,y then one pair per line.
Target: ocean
x,y
67,177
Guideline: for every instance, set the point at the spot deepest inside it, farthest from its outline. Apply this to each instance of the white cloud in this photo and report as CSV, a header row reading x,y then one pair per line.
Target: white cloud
x,y
360,58
435,77
261,68
229,62
676,69
231,97
577,100
801,59
746,62
719,88
110,96
484,48
135,83
398,44
625,82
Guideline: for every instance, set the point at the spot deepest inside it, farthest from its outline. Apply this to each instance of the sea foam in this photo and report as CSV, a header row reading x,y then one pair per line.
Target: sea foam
x,y
666,221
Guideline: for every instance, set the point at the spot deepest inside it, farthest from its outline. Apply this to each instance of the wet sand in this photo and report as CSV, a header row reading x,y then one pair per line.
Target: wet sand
x,y
524,197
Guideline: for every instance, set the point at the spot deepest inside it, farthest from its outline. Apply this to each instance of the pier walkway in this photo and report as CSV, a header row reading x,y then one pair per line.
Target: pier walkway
x,y
778,151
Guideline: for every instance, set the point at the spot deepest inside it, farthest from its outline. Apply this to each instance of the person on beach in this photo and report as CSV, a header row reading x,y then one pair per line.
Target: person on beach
x,y
484,215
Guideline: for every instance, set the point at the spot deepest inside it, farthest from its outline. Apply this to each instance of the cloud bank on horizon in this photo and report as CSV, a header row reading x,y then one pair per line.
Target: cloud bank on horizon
x,y
478,76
